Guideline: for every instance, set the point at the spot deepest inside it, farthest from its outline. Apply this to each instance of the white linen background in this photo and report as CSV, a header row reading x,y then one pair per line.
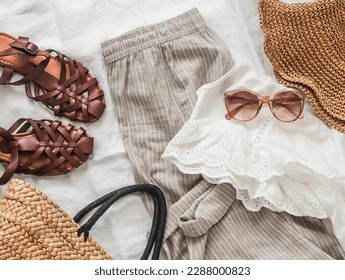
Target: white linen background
x,y
77,29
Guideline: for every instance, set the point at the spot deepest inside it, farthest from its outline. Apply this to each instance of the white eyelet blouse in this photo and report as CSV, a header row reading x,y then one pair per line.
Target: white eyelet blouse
x,y
297,167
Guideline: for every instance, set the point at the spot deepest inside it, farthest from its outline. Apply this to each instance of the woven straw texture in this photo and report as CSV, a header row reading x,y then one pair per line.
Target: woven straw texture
x,y
305,44
33,227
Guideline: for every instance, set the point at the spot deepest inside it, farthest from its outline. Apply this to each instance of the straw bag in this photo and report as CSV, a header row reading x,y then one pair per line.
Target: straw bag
x,y
32,226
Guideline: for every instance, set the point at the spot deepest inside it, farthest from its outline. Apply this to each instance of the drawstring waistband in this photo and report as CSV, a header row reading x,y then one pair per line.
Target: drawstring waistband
x,y
150,35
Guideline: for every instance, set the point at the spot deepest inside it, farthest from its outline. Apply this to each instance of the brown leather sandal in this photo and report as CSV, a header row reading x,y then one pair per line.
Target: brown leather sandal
x,y
61,83
42,147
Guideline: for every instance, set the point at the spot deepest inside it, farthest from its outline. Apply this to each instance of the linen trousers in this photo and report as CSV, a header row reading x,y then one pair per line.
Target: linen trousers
x,y
154,72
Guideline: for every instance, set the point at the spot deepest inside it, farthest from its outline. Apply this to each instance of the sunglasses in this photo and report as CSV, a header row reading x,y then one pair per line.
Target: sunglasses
x,y
244,105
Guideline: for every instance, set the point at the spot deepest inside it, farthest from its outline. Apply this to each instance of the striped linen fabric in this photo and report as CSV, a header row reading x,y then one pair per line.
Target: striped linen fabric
x,y
153,73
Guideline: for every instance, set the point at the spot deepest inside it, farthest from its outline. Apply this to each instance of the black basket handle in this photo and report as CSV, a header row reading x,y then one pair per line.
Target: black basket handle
x,y
158,222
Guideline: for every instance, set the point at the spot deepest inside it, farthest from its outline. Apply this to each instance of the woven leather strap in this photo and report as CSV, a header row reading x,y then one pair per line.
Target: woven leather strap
x,y
59,148
11,145
72,92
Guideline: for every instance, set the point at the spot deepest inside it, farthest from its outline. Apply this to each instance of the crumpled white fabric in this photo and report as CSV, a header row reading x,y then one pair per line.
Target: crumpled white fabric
x,y
77,29
294,167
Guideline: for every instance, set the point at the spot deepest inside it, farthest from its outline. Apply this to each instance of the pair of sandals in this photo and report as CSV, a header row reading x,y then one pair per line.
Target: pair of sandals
x,y
46,147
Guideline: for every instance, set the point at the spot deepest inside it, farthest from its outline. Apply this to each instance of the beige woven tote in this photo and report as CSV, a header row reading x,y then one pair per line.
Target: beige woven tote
x,y
33,227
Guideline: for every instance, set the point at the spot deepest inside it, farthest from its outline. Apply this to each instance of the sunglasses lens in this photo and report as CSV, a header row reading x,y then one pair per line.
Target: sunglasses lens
x,y
242,105
287,106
